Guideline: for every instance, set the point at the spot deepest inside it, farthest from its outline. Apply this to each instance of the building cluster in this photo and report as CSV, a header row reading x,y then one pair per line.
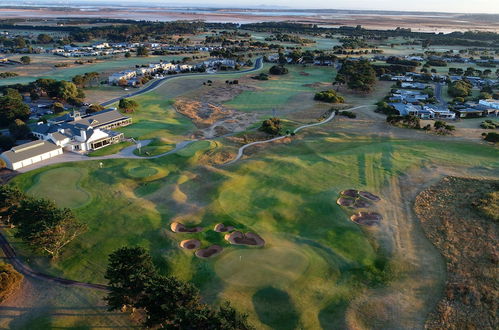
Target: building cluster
x,y
131,77
72,132
415,102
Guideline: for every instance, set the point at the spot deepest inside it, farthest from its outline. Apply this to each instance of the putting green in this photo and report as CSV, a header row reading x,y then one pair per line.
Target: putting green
x,y
142,172
262,267
63,186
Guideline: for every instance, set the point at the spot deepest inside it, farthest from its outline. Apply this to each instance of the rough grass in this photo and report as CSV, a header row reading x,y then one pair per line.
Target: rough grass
x,y
467,239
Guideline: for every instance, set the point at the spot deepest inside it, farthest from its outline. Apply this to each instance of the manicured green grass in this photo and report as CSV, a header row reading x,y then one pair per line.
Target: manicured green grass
x,y
111,150
63,185
313,254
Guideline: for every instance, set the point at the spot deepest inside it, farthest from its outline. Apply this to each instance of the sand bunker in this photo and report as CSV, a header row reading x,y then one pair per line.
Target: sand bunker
x,y
367,218
369,196
190,244
208,252
361,203
177,227
347,202
350,193
238,238
221,228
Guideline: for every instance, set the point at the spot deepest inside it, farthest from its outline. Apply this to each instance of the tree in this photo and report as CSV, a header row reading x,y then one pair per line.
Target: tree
x,y
10,197
19,130
460,88
128,105
271,126
65,90
95,108
44,38
278,70
128,272
58,107
25,60
12,107
329,96
6,142
358,75
127,54
142,51
44,227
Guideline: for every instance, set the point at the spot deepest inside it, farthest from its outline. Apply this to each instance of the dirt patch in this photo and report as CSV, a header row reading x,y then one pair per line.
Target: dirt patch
x,y
190,244
239,238
468,241
221,228
367,218
213,119
346,202
305,74
209,252
177,227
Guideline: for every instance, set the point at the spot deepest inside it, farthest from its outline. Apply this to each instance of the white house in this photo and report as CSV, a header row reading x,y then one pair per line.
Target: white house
x,y
30,153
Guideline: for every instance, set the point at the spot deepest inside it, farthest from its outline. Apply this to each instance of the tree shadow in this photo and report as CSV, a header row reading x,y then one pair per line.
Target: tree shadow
x,y
275,308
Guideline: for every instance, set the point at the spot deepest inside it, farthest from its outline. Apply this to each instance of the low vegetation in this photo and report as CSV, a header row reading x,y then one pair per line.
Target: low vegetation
x,y
459,219
278,70
329,96
165,301
10,280
271,126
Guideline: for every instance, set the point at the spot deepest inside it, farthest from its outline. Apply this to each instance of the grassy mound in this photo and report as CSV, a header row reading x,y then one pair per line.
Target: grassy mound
x,y
63,185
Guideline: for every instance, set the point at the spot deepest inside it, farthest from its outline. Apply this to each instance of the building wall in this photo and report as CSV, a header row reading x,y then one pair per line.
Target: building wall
x,y
35,159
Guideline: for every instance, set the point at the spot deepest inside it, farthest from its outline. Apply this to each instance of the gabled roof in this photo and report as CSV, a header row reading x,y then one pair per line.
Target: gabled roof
x,y
29,150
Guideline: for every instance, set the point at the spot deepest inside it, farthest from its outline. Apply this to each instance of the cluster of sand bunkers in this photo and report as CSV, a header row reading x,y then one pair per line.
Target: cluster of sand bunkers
x,y
355,199
232,236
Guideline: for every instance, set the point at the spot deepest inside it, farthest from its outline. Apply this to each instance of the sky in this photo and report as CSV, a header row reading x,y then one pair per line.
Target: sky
x,y
455,6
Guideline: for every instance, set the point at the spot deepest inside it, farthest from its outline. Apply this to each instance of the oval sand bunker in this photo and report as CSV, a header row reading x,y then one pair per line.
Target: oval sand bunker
x,y
190,244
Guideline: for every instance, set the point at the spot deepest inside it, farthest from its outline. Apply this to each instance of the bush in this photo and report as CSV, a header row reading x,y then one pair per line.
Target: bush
x,y
271,126
261,76
329,96
348,114
492,137
10,280
278,70
490,124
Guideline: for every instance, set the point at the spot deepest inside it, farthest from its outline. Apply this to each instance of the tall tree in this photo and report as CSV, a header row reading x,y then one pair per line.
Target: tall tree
x,y
12,107
44,227
128,272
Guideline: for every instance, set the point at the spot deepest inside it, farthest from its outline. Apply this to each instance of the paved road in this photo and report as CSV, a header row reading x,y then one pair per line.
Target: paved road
x,y
241,150
438,94
156,83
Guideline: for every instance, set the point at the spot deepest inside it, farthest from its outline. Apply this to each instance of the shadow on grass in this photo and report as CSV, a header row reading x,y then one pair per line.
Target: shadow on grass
x,y
275,308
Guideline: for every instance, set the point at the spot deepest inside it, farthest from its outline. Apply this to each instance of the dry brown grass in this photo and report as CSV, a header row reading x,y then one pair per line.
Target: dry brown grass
x,y
468,241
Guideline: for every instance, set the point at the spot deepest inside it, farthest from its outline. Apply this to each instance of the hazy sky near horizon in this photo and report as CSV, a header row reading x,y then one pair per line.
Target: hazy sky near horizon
x,y
455,6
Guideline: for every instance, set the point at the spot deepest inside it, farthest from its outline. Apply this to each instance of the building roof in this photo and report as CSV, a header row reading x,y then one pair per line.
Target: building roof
x,y
29,150
100,118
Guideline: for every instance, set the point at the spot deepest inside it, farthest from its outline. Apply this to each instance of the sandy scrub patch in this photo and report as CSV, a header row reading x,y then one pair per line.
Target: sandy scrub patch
x,y
206,112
